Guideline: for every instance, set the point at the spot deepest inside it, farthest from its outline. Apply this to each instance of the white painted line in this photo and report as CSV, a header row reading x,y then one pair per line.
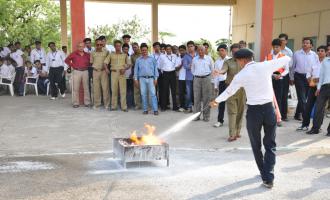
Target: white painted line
x,y
22,166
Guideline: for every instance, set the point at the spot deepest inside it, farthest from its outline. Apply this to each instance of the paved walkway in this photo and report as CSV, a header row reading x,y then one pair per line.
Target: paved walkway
x,y
51,151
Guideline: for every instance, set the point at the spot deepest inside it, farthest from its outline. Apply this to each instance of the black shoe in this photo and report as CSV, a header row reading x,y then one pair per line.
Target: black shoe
x,y
197,119
162,110
156,113
298,118
268,184
312,132
328,134
145,112
75,106
176,109
285,119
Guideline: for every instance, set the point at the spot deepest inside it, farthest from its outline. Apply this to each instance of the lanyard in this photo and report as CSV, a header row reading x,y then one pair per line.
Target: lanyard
x,y
54,56
171,60
40,54
156,58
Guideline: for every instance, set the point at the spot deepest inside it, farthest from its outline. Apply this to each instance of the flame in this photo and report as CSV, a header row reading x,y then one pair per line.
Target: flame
x,y
146,139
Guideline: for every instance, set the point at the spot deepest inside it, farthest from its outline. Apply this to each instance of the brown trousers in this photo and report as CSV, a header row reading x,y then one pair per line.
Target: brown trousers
x,y
101,86
80,77
118,81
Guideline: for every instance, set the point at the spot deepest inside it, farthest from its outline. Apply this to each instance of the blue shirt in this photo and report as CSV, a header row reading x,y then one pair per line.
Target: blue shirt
x,y
145,67
324,73
187,63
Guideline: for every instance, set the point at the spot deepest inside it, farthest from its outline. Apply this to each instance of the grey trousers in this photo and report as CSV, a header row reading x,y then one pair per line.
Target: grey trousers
x,y
202,95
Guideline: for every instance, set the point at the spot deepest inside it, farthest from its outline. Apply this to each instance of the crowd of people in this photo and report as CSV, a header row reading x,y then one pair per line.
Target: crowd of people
x,y
183,78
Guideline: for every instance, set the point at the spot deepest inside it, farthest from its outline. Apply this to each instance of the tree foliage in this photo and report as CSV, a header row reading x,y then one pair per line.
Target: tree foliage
x,y
29,20
133,27
162,35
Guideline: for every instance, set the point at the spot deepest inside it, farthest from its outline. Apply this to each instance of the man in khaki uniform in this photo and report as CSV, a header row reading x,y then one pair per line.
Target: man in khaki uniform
x,y
119,62
134,57
235,104
100,75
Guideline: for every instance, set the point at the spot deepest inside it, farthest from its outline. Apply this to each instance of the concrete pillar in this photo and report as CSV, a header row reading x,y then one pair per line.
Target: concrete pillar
x,y
77,22
264,28
154,20
64,23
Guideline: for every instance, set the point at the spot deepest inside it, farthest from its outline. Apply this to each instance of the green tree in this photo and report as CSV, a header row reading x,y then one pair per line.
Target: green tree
x,y
29,20
212,51
223,41
162,35
133,27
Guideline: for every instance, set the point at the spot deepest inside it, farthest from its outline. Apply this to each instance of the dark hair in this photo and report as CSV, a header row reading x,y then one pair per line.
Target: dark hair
x,y
162,45
233,46
37,42
168,46
97,39
206,44
242,42
322,47
50,43
308,38
243,53
276,42
36,61
64,47
102,37
183,47
117,42
26,62
144,45
125,45
87,40
154,44
135,43
284,35
17,43
222,46
190,43
126,36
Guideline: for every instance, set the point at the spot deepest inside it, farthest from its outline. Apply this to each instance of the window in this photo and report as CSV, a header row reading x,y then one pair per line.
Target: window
x,y
290,44
251,45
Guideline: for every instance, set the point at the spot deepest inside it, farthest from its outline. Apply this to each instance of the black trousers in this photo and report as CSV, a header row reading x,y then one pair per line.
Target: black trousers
x,y
258,117
302,87
130,93
320,107
311,99
90,80
160,87
278,90
221,108
56,76
182,93
284,101
169,82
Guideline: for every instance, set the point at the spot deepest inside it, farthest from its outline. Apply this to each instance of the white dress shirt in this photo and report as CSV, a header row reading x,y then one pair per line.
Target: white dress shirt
x,y
168,63
202,66
182,72
38,55
5,52
286,67
55,59
89,50
314,71
7,71
303,62
33,72
17,56
324,73
218,66
156,56
256,79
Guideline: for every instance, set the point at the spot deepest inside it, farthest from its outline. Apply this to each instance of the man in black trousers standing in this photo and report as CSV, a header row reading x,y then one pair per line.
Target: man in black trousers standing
x,y
256,79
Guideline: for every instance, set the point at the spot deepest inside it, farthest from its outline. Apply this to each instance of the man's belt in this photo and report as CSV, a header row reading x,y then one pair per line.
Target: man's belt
x,y
202,76
98,70
80,69
147,77
169,71
55,67
115,70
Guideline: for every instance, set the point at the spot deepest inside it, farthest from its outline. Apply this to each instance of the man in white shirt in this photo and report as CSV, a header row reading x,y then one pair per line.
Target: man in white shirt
x,y
4,51
18,57
38,54
220,81
156,55
256,80
168,64
7,70
286,79
55,60
89,49
303,61
202,68
126,40
313,78
182,80
109,47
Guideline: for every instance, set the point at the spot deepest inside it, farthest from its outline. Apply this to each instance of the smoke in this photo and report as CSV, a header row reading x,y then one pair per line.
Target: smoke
x,y
178,126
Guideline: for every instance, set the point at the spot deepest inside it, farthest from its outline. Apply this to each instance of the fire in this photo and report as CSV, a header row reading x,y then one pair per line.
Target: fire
x,y
146,139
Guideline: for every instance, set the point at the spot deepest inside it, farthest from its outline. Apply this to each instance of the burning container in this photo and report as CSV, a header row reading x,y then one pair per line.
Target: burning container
x,y
145,148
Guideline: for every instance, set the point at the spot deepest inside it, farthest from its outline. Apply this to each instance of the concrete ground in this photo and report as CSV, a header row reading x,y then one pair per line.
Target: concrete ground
x,y
50,151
